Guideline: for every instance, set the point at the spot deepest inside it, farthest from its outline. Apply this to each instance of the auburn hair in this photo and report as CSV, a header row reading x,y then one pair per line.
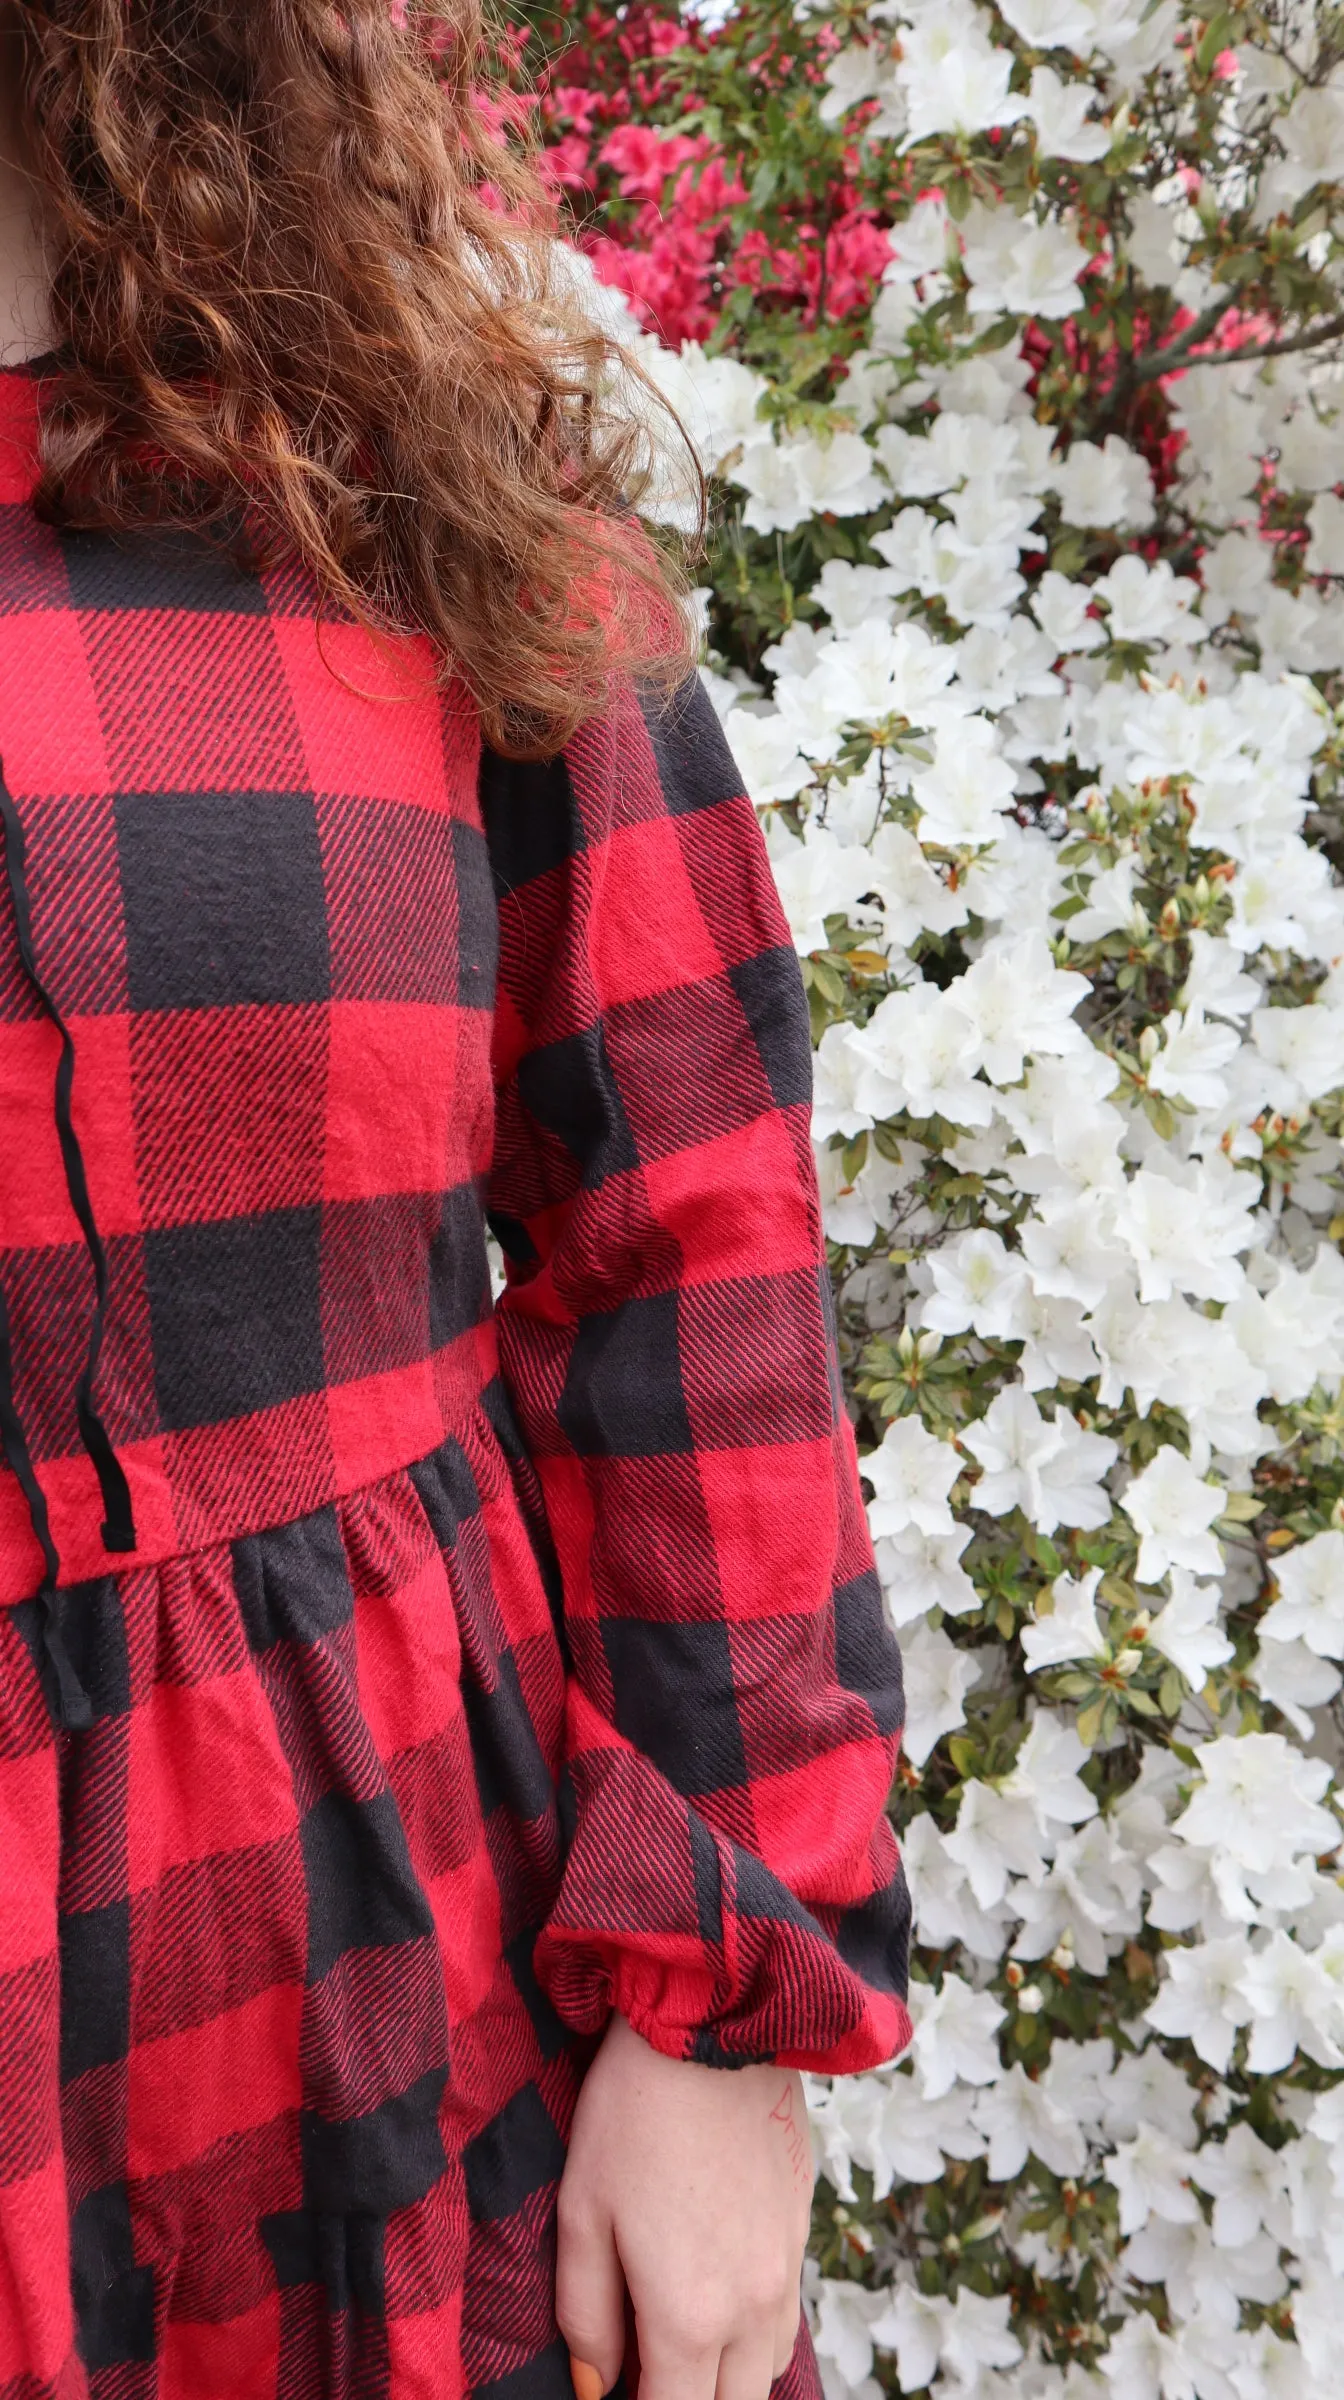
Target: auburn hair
x,y
301,280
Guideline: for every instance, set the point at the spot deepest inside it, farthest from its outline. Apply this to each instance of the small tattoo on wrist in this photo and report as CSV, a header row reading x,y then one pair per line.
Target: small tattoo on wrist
x,y
799,2148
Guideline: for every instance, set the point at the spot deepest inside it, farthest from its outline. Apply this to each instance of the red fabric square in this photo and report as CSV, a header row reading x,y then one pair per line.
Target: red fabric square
x,y
18,437
174,1813
409,1655
814,1825
369,1420
53,730
192,702
36,2317
736,1204
104,1123
755,1361
30,1848
396,1075
648,933
216,2362
371,715
229,1108
230,2073
465,1902
254,1471
756,1501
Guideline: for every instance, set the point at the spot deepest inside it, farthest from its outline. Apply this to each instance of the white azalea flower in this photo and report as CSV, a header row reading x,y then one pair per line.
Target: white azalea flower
x,y
911,1473
963,794
978,1285
919,1571
953,78
1310,1602
1188,1066
1295,2005
1295,1681
954,2039
1105,484
1247,2181
1049,1470
1187,1630
1149,603
1090,1901
1151,2173
1070,1630
994,1838
1061,112
1171,1509
765,749
1020,266
1045,1774
937,1678
1061,608
1202,1998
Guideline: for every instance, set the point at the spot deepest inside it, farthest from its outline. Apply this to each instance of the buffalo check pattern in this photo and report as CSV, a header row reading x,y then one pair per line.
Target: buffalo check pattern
x,y
480,1668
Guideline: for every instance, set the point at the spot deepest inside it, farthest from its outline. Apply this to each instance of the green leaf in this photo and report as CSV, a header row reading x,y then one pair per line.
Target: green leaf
x,y
764,183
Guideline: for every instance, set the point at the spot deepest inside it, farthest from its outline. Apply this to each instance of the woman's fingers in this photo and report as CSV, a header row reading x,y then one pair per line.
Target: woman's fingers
x,y
589,2298
747,2368
786,2331
679,2364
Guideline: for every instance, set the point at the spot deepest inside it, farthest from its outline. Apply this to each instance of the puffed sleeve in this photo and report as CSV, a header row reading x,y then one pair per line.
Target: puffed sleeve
x,y
732,1884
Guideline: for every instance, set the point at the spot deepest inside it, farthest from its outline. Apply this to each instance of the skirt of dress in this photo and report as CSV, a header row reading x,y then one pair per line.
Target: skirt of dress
x,y
283,2109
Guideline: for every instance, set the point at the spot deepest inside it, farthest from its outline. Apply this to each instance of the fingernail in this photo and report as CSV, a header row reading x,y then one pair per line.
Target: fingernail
x,y
588,2384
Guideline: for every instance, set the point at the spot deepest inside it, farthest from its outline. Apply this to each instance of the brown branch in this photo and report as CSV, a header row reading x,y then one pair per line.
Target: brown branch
x,y
1183,353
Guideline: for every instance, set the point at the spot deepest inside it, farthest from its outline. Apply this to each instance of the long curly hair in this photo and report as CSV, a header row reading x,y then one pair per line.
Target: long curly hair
x,y
302,281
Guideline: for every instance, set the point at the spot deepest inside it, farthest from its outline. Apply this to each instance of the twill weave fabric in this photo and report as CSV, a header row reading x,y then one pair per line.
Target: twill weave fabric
x,y
482,1665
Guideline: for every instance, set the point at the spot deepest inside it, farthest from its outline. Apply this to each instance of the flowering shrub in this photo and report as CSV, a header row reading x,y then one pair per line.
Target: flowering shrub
x,y
1019,385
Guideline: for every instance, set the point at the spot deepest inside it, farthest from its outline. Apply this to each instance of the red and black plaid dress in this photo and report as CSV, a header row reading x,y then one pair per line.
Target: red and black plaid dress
x,y
391,1683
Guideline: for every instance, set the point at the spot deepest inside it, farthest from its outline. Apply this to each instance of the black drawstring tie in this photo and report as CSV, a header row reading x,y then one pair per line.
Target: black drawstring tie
x,y
118,1530
74,1710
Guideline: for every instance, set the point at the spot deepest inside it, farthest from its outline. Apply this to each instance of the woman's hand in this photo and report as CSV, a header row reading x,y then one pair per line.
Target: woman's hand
x,y
690,2187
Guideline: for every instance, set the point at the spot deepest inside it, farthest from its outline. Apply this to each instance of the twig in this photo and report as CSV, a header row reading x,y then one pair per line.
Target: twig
x,y
1157,363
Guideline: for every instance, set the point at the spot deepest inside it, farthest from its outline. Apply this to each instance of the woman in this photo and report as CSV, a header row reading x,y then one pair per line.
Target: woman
x,y
436,1740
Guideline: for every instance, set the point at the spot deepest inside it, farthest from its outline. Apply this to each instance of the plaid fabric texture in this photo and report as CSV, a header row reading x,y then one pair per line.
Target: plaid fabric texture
x,y
478,1669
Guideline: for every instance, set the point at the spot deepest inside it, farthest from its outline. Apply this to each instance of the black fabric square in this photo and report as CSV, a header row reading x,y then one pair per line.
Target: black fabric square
x,y
623,1395
674,1700
93,1629
459,1269
224,899
375,1282
545,2377
448,1491
510,1769
293,1582
477,919
531,822
760,1895
32,569
346,2255
708,1880
873,1939
553,2035
95,1946
236,1310
696,768
363,1892
113,2297
867,1659
770,989
372,2165
569,1088
518,2153
171,569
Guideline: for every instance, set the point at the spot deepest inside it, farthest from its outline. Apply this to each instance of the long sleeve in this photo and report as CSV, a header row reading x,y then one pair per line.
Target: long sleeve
x,y
732,1885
